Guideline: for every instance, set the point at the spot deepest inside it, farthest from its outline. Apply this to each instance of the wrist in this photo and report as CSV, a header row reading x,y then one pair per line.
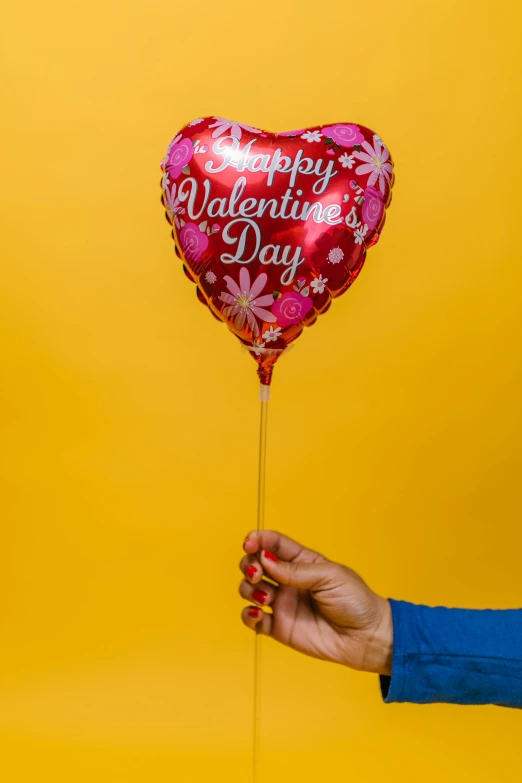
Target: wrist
x,y
379,651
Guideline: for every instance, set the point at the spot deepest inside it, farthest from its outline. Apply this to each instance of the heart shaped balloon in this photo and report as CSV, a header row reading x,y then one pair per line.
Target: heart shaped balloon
x,y
273,226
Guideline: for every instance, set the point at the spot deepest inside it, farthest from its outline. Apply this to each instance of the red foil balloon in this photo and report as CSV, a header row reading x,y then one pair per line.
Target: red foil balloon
x,y
272,226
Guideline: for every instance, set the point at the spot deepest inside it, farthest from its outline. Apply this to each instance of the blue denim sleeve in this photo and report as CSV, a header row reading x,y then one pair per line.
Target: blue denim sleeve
x,y
462,656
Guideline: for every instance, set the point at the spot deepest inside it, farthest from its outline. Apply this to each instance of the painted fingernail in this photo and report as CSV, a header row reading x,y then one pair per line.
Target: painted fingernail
x,y
250,571
254,611
270,556
259,596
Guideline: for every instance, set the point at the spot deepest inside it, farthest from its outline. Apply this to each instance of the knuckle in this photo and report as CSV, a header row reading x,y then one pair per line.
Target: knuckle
x,y
294,567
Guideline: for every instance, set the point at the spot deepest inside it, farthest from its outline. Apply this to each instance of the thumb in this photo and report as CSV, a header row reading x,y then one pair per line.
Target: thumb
x,y
305,576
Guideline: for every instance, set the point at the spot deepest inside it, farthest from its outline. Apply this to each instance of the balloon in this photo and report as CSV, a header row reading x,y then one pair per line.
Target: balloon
x,y
272,226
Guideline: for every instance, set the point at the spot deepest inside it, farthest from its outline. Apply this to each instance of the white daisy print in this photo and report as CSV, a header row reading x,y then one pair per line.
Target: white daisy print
x,y
335,256
318,284
360,233
166,180
312,136
271,335
210,277
347,161
195,122
173,205
258,348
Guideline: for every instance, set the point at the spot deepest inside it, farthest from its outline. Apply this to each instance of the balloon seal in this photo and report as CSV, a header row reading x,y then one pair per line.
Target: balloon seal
x,y
264,372
264,392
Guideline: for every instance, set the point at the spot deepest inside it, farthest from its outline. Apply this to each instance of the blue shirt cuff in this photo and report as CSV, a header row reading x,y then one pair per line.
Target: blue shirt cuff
x,y
462,656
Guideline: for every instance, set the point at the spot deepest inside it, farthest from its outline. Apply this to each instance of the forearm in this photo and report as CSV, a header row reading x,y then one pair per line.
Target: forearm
x,y
462,656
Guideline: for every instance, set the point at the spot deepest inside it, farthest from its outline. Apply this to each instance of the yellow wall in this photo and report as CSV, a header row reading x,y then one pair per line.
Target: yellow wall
x,y
130,416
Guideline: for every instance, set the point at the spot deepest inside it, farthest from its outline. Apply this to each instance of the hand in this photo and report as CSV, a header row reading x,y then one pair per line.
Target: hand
x,y
320,608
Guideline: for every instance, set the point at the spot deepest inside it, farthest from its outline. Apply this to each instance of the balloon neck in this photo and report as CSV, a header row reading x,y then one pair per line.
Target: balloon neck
x,y
265,374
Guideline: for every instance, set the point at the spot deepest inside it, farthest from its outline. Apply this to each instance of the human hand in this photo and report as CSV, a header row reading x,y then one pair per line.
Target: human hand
x,y
320,608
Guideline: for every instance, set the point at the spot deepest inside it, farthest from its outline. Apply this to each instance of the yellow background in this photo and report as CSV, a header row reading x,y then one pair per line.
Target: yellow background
x,y
129,416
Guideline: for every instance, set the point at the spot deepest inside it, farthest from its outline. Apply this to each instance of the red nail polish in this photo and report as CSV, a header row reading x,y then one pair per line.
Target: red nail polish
x,y
270,556
254,611
259,596
250,571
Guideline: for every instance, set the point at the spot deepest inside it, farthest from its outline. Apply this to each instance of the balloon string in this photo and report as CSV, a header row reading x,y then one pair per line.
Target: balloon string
x,y
258,637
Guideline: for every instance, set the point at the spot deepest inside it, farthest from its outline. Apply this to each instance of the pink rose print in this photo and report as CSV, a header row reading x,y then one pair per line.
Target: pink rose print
x,y
178,157
175,140
373,207
344,135
193,241
291,308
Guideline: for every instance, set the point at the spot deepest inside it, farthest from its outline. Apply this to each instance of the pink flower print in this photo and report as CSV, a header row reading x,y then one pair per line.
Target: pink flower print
x,y
344,135
291,308
245,303
175,140
292,133
178,157
234,128
375,164
193,241
373,207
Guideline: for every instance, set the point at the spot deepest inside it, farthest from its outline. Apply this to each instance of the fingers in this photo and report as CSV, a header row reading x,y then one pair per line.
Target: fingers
x,y
285,561
255,619
251,568
284,547
262,593
304,576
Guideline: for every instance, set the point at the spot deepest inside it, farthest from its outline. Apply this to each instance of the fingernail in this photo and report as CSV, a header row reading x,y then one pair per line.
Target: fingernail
x,y
250,571
254,611
245,541
259,596
270,556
